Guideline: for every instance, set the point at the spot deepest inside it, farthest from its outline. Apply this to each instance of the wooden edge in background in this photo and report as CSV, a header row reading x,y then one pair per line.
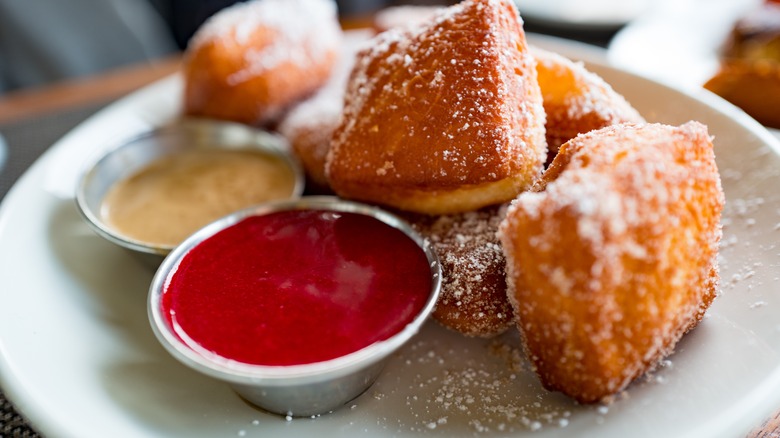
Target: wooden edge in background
x,y
769,429
83,91
102,87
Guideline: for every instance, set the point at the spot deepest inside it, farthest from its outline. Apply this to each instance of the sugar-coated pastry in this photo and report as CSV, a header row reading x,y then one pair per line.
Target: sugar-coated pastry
x,y
613,256
252,60
576,100
753,86
403,15
756,34
749,74
473,299
444,117
309,125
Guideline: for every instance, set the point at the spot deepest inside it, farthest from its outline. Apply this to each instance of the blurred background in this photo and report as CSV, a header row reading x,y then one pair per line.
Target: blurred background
x,y
61,61
44,41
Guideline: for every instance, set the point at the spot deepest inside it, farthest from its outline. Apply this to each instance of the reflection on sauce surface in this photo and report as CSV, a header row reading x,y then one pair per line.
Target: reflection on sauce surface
x,y
296,287
174,196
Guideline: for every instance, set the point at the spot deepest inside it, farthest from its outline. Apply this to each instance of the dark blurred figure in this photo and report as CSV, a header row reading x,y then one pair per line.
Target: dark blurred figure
x,y
185,16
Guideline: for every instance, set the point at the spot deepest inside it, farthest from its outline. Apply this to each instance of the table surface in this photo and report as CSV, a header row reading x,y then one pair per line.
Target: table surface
x,y
33,120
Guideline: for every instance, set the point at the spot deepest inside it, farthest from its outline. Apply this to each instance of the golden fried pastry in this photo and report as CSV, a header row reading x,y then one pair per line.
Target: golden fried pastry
x,y
749,74
613,256
753,86
309,125
252,60
576,100
445,117
756,35
473,299
403,15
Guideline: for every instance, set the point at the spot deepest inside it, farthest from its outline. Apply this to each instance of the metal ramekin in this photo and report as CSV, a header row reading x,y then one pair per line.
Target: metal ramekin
x,y
135,153
295,390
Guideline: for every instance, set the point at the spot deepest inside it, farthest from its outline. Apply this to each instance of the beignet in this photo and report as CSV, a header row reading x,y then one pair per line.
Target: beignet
x,y
613,256
473,299
576,100
309,125
252,60
444,117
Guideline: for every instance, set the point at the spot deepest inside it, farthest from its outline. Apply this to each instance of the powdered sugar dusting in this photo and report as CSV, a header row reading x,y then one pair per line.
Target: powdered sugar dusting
x,y
485,388
309,125
589,93
473,298
451,102
576,100
622,229
745,223
605,207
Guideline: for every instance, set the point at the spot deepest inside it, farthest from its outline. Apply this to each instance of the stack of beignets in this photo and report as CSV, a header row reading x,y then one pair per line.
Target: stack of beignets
x,y
251,61
473,299
446,117
613,256
575,100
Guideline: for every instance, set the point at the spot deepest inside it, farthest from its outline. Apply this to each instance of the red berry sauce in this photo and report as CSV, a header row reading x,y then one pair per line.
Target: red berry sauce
x,y
297,287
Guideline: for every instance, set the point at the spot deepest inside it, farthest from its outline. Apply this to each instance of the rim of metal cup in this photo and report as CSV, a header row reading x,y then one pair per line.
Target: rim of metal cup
x,y
255,139
242,373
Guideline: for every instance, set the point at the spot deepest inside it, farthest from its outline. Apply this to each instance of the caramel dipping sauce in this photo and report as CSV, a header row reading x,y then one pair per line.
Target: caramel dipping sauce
x,y
175,195
148,192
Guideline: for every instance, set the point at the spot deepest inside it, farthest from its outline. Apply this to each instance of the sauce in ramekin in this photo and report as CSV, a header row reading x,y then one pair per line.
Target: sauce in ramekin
x,y
296,287
172,197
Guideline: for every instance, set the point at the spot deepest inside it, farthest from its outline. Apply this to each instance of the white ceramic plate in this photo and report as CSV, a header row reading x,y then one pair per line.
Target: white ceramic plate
x,y
78,358
677,41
